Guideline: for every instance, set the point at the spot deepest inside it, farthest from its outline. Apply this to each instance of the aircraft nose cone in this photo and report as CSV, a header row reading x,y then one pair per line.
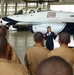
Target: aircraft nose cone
x,y
9,20
5,19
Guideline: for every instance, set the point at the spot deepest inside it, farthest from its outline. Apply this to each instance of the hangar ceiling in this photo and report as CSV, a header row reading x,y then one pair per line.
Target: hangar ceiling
x,y
48,0
32,1
68,0
40,1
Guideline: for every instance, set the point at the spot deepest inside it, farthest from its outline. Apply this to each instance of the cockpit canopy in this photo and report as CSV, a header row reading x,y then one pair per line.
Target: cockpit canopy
x,y
37,10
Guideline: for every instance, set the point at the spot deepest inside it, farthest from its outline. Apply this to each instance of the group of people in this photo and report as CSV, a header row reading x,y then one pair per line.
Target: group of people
x,y
9,61
50,61
38,59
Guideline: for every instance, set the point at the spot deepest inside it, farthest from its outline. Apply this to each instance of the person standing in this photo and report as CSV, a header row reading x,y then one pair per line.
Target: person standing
x,y
49,36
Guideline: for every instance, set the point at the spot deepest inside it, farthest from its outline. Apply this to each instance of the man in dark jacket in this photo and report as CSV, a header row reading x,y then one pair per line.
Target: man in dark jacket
x,y
49,36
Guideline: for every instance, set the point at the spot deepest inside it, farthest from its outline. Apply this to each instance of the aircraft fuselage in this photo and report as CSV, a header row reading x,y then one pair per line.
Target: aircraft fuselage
x,y
58,20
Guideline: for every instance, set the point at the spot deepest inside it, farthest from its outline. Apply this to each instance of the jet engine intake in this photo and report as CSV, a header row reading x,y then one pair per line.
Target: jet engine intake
x,y
56,27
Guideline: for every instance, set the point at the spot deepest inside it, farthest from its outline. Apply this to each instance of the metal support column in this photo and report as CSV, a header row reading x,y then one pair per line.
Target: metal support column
x,y
48,6
2,8
15,7
26,7
36,5
6,9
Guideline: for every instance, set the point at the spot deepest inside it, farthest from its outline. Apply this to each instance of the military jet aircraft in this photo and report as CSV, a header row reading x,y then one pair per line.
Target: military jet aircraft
x,y
38,20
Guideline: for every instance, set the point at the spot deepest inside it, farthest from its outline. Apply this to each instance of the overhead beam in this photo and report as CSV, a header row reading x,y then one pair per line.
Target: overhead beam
x,y
40,1
61,3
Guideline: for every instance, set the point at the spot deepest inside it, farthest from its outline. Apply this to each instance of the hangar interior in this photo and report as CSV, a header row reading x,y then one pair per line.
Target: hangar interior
x,y
9,7
22,40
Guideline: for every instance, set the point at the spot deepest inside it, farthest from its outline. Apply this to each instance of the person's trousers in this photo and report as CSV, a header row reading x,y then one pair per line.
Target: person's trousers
x,y
50,46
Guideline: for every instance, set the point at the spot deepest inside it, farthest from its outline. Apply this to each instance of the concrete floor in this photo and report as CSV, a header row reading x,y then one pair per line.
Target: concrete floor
x,y
22,40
